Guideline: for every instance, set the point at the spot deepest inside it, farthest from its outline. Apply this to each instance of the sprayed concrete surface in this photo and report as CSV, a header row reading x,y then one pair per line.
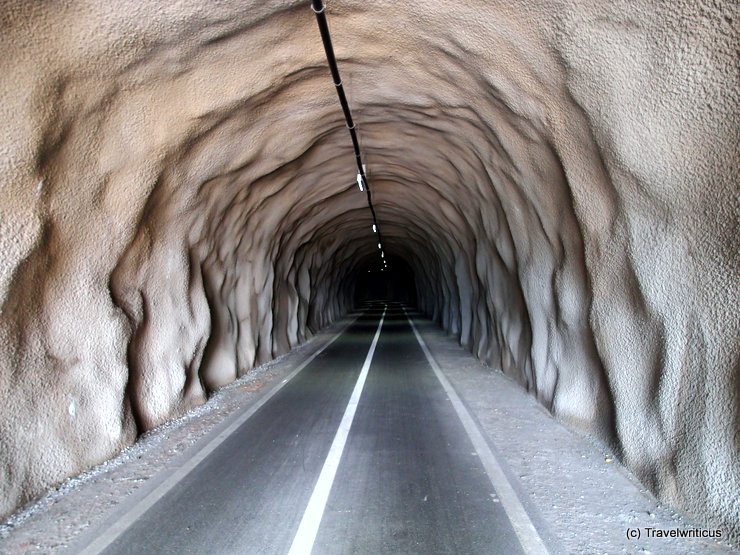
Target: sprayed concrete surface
x,y
178,207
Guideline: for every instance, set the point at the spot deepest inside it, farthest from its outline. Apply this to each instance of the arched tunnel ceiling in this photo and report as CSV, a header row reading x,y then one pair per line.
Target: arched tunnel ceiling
x,y
179,206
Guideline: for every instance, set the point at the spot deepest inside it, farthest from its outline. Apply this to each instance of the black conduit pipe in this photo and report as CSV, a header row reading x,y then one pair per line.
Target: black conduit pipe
x,y
319,9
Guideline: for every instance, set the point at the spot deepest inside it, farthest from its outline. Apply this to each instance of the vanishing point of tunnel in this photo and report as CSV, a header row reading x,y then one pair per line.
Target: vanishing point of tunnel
x,y
556,184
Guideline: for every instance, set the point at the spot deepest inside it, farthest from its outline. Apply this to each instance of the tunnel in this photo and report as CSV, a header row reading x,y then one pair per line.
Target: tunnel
x,y
556,185
375,281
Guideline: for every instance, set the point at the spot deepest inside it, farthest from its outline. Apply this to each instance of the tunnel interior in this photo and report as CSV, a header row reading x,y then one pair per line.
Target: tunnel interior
x,y
180,206
392,282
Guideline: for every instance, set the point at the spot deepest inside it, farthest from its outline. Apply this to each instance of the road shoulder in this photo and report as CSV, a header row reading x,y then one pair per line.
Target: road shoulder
x,y
580,497
58,518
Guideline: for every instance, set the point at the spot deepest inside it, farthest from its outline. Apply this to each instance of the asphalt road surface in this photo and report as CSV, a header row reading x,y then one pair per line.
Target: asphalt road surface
x,y
361,452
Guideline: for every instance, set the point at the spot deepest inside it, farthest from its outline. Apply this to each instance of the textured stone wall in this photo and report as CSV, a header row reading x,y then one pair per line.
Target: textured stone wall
x,y
178,205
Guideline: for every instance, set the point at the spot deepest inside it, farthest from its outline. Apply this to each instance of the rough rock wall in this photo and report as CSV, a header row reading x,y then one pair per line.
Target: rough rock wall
x,y
178,206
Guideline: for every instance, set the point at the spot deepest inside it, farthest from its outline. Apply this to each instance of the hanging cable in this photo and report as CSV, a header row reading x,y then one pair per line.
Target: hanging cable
x,y
319,9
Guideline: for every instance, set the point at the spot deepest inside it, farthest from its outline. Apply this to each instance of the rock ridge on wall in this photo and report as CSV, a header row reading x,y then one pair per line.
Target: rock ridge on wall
x,y
178,206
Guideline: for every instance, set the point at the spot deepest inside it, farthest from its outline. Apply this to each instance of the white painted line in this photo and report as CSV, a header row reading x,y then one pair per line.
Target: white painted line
x,y
529,538
309,527
112,533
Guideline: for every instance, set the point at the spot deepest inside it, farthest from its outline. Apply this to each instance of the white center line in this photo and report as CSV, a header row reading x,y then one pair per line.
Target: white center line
x,y
309,527
529,538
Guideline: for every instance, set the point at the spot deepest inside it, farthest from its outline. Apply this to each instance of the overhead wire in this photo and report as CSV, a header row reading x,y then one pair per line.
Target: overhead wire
x,y
319,9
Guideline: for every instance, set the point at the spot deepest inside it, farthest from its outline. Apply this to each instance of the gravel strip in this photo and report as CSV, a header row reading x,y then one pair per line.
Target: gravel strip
x,y
53,521
585,497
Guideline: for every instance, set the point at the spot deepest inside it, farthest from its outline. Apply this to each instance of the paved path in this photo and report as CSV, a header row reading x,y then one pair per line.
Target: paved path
x,y
362,451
